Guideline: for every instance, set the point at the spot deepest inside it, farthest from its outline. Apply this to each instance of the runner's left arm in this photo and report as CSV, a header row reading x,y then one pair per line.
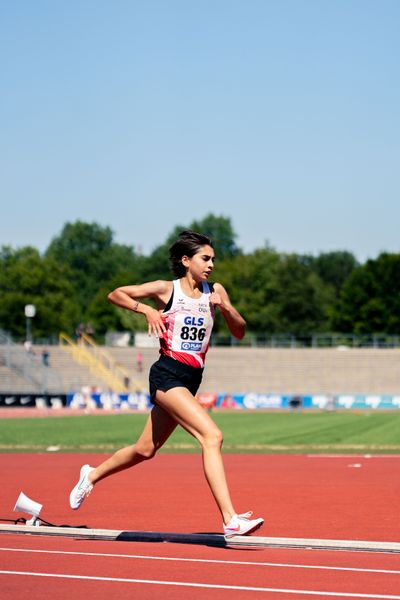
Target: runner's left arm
x,y
219,298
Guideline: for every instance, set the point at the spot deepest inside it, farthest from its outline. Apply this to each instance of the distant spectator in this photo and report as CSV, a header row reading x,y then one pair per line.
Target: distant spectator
x,y
90,331
139,361
45,357
79,331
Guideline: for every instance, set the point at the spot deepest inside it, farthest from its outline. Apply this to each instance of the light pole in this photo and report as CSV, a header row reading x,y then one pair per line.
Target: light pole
x,y
30,312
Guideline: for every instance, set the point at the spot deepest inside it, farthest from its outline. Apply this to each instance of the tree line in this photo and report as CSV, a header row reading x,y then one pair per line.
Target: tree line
x,y
276,292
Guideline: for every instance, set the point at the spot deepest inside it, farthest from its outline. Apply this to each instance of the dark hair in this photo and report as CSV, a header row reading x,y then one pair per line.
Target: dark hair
x,y
187,244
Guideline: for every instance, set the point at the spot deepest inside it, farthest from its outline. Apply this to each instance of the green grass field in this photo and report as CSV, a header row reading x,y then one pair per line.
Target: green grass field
x,y
261,432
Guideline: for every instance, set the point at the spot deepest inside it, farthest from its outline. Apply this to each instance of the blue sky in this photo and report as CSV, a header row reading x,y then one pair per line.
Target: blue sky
x,y
282,115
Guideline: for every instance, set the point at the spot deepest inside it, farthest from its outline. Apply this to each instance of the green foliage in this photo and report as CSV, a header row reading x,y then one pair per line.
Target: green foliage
x,y
220,230
93,258
104,316
301,298
251,283
275,292
28,278
101,315
370,298
332,267
156,266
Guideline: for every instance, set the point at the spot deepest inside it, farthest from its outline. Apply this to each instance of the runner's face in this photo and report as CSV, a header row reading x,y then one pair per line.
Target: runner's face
x,y
201,264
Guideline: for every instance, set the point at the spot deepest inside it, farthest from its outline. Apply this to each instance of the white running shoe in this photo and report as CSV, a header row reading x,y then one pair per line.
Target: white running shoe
x,y
242,525
82,488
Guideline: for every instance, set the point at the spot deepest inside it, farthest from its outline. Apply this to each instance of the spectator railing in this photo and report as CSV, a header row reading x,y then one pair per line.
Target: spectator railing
x,y
100,363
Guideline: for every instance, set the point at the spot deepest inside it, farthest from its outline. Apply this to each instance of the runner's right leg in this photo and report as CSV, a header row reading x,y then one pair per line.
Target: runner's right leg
x,y
158,428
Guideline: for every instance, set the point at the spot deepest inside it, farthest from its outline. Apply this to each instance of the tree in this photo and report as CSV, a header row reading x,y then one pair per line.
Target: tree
x,y
104,316
156,265
301,297
370,299
28,278
93,258
251,283
220,230
276,293
333,268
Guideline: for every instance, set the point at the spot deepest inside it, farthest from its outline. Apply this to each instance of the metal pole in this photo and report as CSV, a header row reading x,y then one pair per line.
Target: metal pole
x,y
28,329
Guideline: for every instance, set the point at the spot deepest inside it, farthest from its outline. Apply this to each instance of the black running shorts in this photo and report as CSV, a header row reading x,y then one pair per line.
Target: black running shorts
x,y
168,373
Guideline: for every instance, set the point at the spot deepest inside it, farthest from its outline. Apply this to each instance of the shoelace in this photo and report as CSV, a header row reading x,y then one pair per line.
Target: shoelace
x,y
85,490
246,515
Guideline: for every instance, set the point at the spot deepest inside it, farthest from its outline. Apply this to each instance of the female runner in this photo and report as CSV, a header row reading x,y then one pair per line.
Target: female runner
x,y
183,321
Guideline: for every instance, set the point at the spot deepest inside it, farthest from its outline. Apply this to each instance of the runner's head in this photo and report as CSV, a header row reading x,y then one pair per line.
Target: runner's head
x,y
187,244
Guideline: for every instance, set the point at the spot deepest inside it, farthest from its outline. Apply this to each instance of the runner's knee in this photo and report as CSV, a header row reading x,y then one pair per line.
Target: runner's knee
x,y
213,439
147,451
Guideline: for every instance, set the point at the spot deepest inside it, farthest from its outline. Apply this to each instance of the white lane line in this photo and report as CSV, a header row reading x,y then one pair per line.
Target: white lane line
x,y
368,456
203,585
206,560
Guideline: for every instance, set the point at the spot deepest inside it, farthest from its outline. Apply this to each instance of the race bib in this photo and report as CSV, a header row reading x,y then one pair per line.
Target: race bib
x,y
191,334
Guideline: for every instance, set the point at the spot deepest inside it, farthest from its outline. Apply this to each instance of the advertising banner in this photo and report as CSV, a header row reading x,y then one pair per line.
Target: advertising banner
x,y
141,401
32,400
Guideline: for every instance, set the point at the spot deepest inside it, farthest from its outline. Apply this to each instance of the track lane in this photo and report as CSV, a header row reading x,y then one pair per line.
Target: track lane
x,y
299,496
185,574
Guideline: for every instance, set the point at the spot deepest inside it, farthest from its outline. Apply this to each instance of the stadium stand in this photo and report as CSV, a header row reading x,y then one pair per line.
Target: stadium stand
x,y
24,370
303,370
229,370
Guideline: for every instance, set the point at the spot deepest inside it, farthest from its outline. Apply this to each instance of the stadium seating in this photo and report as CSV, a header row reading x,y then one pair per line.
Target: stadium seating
x,y
234,370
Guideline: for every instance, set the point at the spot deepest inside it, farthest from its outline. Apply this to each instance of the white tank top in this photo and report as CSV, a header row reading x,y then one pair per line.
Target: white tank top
x,y
189,322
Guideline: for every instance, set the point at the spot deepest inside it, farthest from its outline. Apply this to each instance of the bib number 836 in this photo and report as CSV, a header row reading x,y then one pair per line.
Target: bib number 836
x,y
193,333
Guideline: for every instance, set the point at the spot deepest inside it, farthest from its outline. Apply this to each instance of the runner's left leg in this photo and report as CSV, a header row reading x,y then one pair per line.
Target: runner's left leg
x,y
184,409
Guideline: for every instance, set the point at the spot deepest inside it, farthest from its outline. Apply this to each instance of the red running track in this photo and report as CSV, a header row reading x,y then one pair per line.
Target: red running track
x,y
299,496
